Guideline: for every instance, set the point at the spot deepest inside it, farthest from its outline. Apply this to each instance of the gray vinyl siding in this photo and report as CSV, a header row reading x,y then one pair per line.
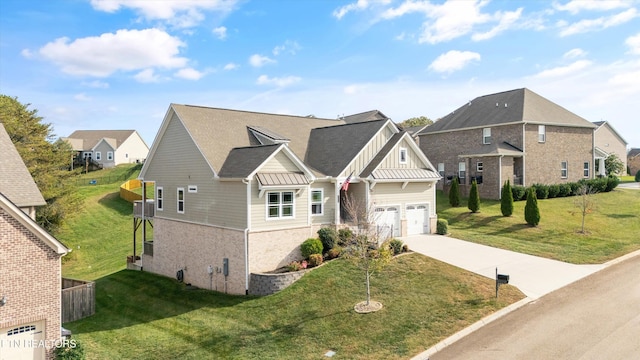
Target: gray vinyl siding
x,y
103,147
279,163
369,152
392,161
177,163
413,193
259,220
329,204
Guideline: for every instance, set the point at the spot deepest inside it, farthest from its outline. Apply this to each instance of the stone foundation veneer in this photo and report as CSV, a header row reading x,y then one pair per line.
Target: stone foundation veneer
x,y
267,284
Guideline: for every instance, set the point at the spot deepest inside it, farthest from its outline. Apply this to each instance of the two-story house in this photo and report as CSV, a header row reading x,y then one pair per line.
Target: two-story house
x,y
514,135
237,192
608,142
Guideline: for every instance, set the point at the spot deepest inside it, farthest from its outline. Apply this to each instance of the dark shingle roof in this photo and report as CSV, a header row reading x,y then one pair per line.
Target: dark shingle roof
x,y
370,115
91,137
16,182
633,152
243,161
331,149
514,106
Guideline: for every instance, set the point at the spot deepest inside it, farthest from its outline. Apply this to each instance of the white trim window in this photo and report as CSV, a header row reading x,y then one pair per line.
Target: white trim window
x,y
462,171
159,198
542,134
486,136
180,201
479,166
317,197
564,170
280,204
441,169
98,156
110,155
403,155
586,169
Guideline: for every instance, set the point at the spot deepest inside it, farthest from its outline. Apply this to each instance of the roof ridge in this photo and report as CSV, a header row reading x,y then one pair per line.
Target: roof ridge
x,y
253,112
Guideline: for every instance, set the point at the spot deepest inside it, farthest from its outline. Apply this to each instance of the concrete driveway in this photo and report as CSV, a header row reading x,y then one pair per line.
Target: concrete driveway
x,y
533,275
633,185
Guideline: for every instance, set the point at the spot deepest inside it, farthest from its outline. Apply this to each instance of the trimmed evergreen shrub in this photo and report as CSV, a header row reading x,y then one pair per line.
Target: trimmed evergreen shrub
x,y
542,191
329,237
506,200
531,211
637,176
518,192
612,183
345,235
442,227
554,190
474,198
396,246
315,259
334,252
311,246
454,193
565,190
574,188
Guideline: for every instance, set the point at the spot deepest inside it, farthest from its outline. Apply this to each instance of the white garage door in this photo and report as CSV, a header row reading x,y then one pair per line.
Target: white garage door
x,y
21,342
417,219
388,221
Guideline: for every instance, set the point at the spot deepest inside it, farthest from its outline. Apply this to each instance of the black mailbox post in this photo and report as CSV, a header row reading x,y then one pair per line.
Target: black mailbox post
x,y
500,279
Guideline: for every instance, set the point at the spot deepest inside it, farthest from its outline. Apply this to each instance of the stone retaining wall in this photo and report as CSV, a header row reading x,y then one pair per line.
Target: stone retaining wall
x,y
267,284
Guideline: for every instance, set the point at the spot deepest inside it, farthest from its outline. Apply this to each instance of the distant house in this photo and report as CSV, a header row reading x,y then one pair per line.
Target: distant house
x,y
633,161
514,135
608,142
30,285
107,148
237,192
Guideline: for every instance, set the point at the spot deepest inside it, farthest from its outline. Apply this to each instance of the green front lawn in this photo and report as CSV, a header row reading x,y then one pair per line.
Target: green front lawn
x,y
612,228
144,316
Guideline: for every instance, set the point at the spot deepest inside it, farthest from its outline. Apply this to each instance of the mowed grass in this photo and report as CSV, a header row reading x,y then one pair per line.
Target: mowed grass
x,y
144,316
612,229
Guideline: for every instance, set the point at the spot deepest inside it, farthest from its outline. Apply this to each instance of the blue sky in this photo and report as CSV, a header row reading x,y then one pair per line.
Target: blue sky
x,y
118,64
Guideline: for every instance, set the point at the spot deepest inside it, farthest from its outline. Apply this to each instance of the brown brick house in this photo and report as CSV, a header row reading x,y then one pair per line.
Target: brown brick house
x,y
30,284
633,161
514,135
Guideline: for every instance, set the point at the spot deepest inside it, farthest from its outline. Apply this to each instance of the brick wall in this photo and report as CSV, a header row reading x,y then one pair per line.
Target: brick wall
x,y
30,279
634,164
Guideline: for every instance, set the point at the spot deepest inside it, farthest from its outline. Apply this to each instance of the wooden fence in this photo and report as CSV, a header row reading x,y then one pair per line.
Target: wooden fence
x,y
78,299
127,194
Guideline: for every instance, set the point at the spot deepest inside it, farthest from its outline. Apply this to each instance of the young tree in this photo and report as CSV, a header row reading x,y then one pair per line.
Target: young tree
x,y
365,249
416,121
531,211
506,201
454,193
47,161
613,165
474,198
585,203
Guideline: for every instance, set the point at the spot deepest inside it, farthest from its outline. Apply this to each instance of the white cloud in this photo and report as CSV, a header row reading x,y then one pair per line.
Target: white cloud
x,y
257,60
633,42
588,25
82,97
453,60
277,81
189,74
96,84
27,53
564,70
575,6
231,66
574,53
220,32
126,50
178,13
147,76
506,21
357,6
289,46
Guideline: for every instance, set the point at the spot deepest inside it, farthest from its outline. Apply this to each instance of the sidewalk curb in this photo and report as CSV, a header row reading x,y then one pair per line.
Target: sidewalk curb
x,y
471,328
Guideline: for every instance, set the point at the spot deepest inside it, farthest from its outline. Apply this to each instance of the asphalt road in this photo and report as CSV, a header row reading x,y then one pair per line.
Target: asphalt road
x,y
597,317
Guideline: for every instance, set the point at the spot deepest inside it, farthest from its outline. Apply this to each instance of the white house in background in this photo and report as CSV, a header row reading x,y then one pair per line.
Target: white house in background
x,y
607,142
237,192
108,148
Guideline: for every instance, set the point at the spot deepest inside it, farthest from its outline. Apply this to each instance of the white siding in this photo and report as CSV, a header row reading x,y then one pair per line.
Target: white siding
x,y
131,150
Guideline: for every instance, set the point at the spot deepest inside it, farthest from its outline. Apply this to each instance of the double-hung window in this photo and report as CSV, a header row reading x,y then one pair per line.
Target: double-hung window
x,y
542,134
486,136
462,171
403,155
441,169
109,155
181,200
280,204
479,166
159,198
586,169
98,156
316,202
564,172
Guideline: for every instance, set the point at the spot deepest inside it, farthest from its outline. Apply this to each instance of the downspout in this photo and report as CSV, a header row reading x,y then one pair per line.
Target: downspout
x,y
500,176
337,202
524,152
246,237
593,155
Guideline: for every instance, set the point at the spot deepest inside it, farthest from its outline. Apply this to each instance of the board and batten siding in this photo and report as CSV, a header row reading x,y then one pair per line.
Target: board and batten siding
x,y
413,193
392,160
369,152
177,163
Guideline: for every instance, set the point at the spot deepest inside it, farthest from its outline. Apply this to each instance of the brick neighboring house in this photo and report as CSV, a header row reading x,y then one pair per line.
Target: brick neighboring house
x,y
633,161
237,192
30,284
514,135
608,142
107,148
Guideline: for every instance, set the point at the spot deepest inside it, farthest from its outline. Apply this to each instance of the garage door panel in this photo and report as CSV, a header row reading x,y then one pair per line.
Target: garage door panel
x,y
21,342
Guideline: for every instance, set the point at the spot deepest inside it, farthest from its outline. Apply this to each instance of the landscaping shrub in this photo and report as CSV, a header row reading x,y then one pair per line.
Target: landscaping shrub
x,y
554,190
297,265
637,176
531,211
565,190
315,259
396,246
575,187
345,235
474,198
542,191
334,252
506,200
454,193
442,227
70,353
519,192
405,248
612,183
311,246
329,238
596,185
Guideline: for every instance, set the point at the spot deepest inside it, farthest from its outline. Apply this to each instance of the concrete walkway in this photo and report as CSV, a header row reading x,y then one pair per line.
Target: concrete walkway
x,y
534,276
